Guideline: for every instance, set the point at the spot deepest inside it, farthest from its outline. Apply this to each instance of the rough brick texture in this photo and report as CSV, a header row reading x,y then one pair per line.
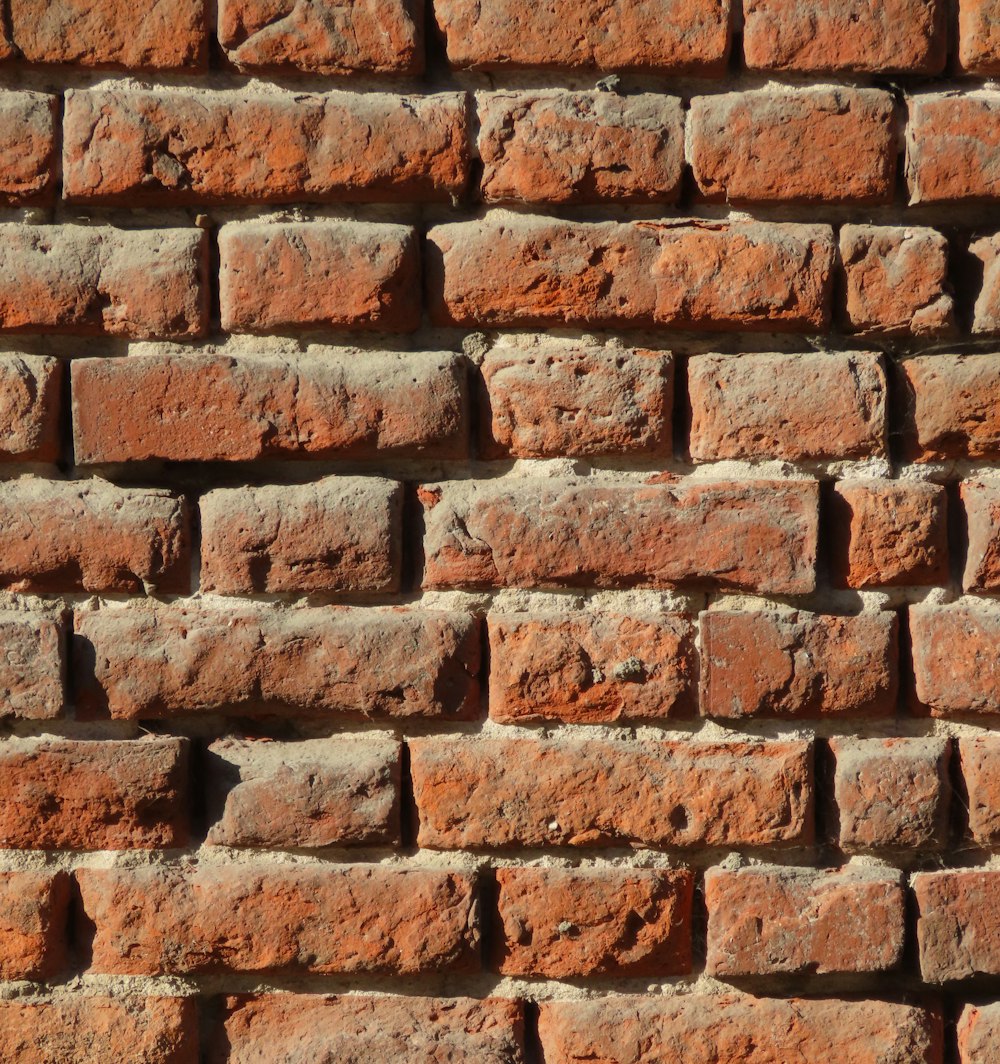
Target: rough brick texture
x,y
34,908
957,924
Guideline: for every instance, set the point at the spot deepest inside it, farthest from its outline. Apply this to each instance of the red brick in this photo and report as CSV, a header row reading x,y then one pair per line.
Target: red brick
x,y
628,149
129,34
803,664
591,668
550,533
27,147
553,792
342,919
64,794
640,35
89,535
897,280
980,760
953,147
260,660
32,665
978,36
810,145
34,908
548,402
123,1028
954,658
986,313
697,274
437,1030
141,283
224,408
306,794
891,794
357,275
566,923
951,407
30,408
846,36
981,500
978,1033
323,36
335,534
889,534
790,406
739,1029
172,148
958,929
802,921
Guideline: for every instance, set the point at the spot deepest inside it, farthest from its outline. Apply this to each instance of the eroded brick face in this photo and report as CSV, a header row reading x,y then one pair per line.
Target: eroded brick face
x,y
499,532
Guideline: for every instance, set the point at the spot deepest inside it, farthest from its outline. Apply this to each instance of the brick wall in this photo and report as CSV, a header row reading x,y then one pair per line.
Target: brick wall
x,y
500,532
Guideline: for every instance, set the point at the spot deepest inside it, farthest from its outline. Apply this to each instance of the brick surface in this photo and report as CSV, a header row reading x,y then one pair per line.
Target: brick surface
x,y
308,794
986,313
335,534
27,147
958,926
628,149
174,660
32,665
223,408
789,406
714,534
954,658
978,1030
565,923
591,669
526,792
813,145
980,767
227,147
953,148
803,665
978,37
981,503
30,408
350,275
347,919
34,909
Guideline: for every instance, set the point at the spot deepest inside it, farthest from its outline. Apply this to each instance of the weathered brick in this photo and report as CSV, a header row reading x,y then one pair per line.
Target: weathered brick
x,y
357,275
550,533
771,920
986,313
978,36
809,145
224,408
890,794
27,147
173,660
122,1028
32,665
34,908
323,36
640,35
688,274
978,1033
953,147
549,402
897,280
845,36
311,793
628,149
63,794
954,658
173,148
139,35
335,534
30,408
791,406
803,664
981,501
889,533
951,408
525,792
296,1027
280,918
141,283
731,1028
980,761
567,923
89,535
958,927
591,668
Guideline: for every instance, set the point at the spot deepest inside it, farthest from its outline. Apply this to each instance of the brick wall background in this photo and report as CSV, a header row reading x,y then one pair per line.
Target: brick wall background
x,y
500,531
